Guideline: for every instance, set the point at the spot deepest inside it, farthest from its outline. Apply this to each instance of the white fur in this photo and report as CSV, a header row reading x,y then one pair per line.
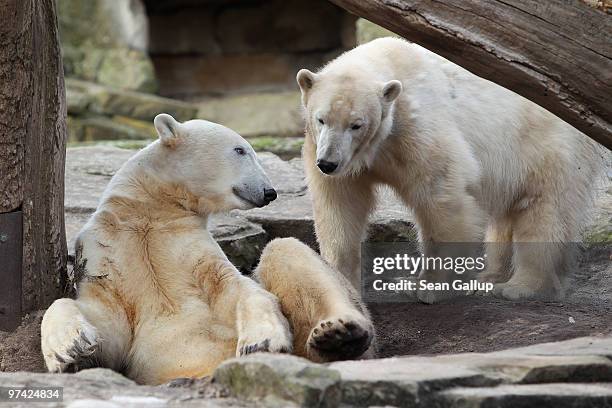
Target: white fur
x,y
462,152
157,297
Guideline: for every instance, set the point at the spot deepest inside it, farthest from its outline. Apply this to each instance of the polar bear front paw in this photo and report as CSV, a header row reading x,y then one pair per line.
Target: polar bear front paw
x,y
263,346
339,339
262,339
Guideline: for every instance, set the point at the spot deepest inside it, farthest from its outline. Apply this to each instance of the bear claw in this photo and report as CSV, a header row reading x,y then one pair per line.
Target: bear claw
x,y
263,346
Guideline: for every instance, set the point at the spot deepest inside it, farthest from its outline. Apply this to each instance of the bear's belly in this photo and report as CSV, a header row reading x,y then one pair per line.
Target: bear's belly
x,y
186,344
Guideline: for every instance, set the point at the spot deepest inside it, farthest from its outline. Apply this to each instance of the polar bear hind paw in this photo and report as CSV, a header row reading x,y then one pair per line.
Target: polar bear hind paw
x,y
339,339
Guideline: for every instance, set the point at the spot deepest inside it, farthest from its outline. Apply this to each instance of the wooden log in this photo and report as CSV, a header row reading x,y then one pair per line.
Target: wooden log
x,y
557,53
32,146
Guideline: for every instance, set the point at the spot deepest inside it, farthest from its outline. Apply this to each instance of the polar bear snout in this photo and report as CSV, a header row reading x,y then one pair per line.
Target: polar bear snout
x,y
255,197
269,195
326,167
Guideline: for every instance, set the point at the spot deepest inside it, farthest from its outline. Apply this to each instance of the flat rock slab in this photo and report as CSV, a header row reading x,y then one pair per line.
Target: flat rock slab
x,y
103,388
573,373
528,396
468,380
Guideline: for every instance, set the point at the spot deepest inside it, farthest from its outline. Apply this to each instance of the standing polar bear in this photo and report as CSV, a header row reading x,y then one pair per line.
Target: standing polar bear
x,y
472,160
157,297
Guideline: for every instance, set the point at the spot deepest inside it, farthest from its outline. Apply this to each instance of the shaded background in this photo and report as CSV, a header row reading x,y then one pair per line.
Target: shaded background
x,y
228,61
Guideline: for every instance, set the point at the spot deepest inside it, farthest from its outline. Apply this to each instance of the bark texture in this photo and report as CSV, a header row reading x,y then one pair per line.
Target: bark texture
x,y
557,53
32,143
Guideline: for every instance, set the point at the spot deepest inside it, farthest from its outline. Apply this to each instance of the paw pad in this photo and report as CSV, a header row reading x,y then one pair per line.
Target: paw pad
x,y
339,340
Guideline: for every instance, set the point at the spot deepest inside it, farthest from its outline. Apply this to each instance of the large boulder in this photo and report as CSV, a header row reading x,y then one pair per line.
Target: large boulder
x,y
105,42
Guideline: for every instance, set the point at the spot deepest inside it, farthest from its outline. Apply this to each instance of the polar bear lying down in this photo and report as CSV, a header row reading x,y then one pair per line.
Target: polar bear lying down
x,y
157,297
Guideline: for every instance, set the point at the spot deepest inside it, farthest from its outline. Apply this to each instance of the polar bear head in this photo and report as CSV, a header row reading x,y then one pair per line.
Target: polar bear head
x,y
347,114
213,163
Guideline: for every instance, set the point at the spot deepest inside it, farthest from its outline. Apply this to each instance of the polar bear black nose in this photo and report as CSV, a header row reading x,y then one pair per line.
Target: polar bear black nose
x,y
326,167
269,194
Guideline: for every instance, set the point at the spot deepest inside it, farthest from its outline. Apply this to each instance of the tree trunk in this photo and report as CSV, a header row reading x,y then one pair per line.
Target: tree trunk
x,y
557,53
32,155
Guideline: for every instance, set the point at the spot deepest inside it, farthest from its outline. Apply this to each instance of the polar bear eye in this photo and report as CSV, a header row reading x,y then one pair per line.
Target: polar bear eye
x,y
356,126
240,150
321,121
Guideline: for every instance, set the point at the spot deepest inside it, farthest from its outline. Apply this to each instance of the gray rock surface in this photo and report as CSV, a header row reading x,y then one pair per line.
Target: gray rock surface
x,y
527,396
575,373
471,380
103,388
276,380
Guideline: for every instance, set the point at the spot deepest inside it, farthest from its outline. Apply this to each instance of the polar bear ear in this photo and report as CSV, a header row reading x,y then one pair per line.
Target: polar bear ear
x,y
167,129
305,79
391,90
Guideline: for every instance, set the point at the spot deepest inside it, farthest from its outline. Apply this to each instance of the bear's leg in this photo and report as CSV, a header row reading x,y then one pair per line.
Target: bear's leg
x,y
77,334
233,297
539,254
451,225
329,322
498,241
341,209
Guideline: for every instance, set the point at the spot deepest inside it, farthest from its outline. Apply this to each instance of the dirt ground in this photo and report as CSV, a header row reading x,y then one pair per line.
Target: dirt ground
x,y
470,324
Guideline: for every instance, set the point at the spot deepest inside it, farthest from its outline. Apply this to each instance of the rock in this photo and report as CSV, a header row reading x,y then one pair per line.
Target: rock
x,y
108,101
519,367
106,43
288,216
527,396
101,128
589,346
257,114
100,387
437,381
88,171
276,380
368,31
241,240
284,147
285,179
291,216
127,69
573,373
197,76
401,381
280,26
182,31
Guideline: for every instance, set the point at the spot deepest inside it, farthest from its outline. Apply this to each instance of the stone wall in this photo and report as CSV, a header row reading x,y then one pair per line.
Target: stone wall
x,y
219,47
106,42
